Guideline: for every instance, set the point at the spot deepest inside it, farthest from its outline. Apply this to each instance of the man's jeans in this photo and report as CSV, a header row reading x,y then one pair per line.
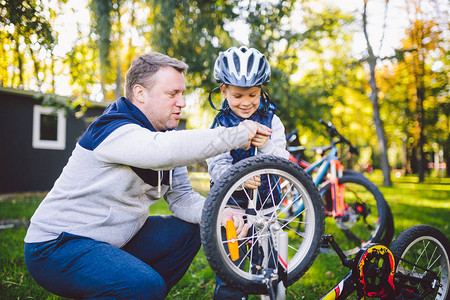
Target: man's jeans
x,y
147,267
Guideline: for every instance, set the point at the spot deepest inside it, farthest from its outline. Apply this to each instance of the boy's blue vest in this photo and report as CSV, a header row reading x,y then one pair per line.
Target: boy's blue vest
x,y
263,115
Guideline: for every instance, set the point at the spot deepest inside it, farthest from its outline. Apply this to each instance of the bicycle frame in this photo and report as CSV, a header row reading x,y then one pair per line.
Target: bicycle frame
x,y
372,274
374,260
323,164
331,160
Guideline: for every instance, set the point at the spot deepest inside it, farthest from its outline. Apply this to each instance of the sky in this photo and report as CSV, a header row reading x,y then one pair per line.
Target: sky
x,y
396,23
75,16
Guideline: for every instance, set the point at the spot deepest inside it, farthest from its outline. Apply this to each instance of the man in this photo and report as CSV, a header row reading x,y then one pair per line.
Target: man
x,y
92,235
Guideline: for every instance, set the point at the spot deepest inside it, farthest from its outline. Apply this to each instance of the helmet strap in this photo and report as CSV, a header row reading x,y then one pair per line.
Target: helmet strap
x,y
266,100
209,97
268,104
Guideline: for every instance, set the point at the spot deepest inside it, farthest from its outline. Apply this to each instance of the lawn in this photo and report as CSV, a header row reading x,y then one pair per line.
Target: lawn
x,y
411,203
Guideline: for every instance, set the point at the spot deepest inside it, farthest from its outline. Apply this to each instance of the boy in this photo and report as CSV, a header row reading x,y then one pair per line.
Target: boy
x,y
243,72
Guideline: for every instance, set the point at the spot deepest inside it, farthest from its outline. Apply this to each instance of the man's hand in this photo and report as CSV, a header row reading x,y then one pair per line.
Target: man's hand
x,y
253,129
253,182
237,216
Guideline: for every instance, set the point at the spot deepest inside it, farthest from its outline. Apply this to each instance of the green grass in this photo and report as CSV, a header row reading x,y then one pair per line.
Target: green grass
x,y
414,203
411,203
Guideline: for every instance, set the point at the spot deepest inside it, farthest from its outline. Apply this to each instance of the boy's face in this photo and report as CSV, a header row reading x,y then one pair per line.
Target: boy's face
x,y
243,101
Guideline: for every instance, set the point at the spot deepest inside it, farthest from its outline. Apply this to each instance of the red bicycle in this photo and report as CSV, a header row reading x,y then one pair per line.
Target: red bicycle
x,y
357,212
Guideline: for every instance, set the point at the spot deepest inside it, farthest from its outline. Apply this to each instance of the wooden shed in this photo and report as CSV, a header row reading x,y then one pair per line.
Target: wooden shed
x,y
36,140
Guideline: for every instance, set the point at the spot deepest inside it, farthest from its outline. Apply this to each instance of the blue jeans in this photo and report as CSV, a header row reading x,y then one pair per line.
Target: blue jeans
x,y
147,267
223,291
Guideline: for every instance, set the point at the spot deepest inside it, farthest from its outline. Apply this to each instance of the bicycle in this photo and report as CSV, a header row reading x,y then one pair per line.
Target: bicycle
x,y
273,255
358,212
415,266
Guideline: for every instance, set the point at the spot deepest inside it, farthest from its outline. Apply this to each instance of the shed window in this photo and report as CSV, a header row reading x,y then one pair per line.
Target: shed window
x,y
49,128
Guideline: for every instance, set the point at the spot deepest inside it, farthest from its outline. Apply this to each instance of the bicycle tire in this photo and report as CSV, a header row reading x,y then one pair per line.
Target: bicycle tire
x,y
373,224
389,228
427,247
303,248
388,233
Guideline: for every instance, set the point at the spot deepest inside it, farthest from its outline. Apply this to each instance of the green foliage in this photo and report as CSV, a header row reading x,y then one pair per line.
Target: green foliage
x,y
102,27
82,63
417,83
25,25
194,32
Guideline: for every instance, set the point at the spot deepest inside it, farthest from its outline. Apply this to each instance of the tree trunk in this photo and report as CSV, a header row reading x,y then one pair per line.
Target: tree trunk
x,y
19,63
119,83
419,73
102,15
118,91
53,75
404,156
447,155
372,59
385,167
420,120
36,67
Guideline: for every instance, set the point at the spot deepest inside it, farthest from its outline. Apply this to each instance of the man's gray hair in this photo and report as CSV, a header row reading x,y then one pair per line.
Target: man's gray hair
x,y
145,66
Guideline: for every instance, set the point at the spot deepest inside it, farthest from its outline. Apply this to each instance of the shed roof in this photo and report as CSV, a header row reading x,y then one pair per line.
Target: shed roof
x,y
39,95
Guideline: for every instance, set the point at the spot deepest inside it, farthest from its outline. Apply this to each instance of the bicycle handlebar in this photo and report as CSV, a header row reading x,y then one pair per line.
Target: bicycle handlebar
x,y
291,136
333,132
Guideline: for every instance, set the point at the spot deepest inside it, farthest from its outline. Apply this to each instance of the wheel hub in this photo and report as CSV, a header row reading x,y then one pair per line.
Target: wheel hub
x,y
348,220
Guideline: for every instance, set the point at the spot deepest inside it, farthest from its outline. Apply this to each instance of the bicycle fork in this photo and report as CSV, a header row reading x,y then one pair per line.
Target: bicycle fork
x,y
337,190
278,275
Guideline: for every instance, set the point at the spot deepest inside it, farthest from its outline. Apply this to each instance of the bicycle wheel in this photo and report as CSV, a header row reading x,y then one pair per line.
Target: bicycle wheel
x,y
366,218
258,250
422,263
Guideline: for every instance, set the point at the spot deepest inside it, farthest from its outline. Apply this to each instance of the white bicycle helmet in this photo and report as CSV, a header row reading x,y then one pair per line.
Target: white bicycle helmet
x,y
243,67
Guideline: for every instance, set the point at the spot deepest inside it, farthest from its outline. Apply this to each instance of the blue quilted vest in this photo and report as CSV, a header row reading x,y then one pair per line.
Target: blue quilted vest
x,y
263,115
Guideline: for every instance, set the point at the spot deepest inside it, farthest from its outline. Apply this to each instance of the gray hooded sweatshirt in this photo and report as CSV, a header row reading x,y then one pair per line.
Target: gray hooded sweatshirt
x,y
119,168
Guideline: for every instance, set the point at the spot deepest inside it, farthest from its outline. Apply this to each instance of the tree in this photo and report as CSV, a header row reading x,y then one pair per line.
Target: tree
x,y
415,87
101,12
26,26
315,38
84,73
194,32
425,36
382,144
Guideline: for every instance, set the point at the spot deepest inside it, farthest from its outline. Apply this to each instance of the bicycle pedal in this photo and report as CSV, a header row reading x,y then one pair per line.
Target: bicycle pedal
x,y
324,244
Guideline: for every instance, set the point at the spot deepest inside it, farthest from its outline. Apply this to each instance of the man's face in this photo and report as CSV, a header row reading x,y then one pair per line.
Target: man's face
x,y
163,101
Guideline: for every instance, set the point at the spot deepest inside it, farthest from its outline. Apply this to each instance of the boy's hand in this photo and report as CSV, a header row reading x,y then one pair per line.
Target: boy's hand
x,y
262,136
259,140
253,182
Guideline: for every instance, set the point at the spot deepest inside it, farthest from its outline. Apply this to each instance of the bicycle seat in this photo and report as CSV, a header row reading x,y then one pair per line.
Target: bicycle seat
x,y
293,149
321,149
291,136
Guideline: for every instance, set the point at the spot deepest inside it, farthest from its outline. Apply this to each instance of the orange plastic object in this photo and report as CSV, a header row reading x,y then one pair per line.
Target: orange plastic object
x,y
337,190
233,246
341,189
